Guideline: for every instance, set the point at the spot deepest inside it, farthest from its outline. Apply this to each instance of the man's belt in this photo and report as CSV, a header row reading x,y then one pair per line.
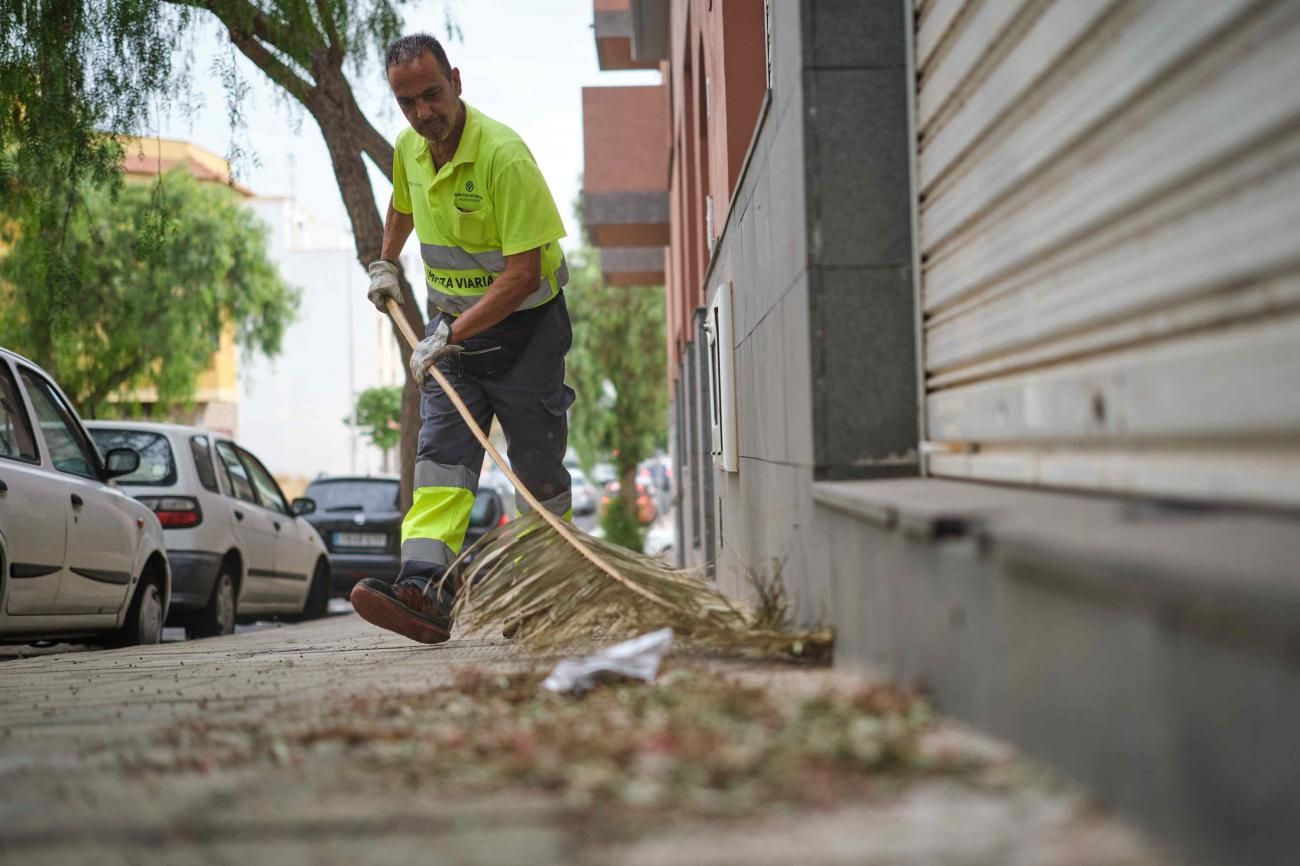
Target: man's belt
x,y
495,350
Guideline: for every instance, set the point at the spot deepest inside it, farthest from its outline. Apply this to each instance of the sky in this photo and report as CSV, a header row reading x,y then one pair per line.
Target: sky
x,y
522,62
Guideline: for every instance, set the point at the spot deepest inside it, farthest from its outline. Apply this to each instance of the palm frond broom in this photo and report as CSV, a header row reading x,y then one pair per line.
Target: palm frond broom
x,y
554,584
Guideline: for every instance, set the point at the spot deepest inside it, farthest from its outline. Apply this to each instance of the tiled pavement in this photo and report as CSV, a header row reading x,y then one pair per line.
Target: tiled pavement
x,y
95,767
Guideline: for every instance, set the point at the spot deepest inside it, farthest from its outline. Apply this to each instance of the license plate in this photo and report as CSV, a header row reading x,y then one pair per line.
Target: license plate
x,y
360,539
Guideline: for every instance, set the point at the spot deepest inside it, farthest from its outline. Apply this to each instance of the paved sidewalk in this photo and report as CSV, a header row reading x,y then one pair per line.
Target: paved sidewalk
x,y
125,756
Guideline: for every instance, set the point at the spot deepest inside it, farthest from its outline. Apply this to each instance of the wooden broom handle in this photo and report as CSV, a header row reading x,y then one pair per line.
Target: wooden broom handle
x,y
556,523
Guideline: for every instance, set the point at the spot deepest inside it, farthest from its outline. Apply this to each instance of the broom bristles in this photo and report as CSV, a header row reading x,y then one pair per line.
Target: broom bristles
x,y
536,574
526,575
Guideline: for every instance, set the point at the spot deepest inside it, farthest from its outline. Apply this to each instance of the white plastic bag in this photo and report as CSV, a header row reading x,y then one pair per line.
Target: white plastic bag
x,y
637,659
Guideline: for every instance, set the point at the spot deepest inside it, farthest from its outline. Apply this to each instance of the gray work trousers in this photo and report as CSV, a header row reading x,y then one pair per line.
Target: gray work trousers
x,y
531,401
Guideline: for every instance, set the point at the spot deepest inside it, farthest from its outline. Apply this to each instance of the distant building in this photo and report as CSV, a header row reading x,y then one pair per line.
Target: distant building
x,y
295,407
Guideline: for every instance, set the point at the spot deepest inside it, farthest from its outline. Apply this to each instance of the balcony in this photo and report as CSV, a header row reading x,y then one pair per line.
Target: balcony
x,y
632,266
631,34
625,174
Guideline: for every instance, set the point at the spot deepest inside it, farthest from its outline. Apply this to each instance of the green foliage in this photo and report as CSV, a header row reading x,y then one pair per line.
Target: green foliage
x,y
73,70
307,35
620,525
155,274
378,412
70,70
617,365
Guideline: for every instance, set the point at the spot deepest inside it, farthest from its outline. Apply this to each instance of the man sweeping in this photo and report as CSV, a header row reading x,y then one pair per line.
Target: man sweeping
x,y
488,230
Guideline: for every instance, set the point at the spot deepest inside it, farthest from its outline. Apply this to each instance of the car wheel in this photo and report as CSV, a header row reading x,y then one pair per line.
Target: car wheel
x,y
218,617
144,621
318,597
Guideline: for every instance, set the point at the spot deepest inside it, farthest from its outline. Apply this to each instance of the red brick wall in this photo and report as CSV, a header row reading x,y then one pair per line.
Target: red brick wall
x,y
717,77
623,142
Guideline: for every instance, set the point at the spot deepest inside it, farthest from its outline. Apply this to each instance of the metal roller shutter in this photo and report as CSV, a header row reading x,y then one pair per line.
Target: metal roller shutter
x,y
1109,226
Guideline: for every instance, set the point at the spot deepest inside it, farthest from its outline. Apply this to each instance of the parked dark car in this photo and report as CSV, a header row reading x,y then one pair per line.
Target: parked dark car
x,y
361,524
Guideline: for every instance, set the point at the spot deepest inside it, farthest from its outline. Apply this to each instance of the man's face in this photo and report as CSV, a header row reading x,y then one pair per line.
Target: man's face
x,y
429,99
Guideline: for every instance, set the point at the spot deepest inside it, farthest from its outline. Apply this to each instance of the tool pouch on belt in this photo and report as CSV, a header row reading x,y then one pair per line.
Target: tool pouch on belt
x,y
494,351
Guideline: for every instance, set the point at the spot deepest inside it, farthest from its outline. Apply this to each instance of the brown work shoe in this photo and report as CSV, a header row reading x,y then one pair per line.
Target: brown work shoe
x,y
411,609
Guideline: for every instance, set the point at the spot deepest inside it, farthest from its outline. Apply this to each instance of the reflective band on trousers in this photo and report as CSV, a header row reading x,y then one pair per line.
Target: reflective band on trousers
x,y
440,514
427,550
561,506
431,474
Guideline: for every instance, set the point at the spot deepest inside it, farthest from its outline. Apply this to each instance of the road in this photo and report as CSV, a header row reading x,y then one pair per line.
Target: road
x,y
303,744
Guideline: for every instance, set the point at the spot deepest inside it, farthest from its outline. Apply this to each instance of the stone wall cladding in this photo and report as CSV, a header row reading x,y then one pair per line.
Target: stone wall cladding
x,y
861,298
764,511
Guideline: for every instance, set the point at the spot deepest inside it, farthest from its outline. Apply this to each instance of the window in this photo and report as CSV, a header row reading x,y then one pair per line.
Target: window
x,y
16,439
157,467
364,495
202,455
70,450
268,492
236,474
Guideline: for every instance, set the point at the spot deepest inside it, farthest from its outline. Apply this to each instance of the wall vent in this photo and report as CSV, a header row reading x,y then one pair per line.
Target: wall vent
x,y
722,381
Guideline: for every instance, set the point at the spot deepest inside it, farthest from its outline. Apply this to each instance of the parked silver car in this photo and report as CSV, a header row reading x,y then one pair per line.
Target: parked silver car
x,y
238,548
585,497
79,559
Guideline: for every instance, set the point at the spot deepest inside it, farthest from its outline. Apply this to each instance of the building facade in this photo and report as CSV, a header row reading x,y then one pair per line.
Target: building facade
x,y
984,334
297,407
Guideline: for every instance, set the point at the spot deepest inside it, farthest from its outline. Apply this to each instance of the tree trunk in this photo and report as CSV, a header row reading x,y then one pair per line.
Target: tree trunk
x,y
410,422
349,138
348,135
627,489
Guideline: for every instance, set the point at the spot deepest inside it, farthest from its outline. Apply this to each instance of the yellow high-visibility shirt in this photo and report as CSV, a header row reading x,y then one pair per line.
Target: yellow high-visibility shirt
x,y
490,201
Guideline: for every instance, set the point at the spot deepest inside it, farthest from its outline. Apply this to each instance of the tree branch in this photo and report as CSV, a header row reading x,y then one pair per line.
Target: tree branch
x,y
242,16
246,16
275,69
123,374
331,30
113,381
374,145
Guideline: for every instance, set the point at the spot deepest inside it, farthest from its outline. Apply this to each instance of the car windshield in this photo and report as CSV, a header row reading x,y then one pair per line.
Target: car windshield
x,y
354,495
157,466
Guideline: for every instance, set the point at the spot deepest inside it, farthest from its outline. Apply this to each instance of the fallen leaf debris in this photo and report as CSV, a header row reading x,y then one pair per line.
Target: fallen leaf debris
x,y
697,738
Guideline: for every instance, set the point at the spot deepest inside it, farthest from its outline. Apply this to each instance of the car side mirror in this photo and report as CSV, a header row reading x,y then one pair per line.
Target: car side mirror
x,y
121,461
302,505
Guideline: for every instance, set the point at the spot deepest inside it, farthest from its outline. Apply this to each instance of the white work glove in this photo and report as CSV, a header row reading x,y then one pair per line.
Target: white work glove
x,y
383,284
430,350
